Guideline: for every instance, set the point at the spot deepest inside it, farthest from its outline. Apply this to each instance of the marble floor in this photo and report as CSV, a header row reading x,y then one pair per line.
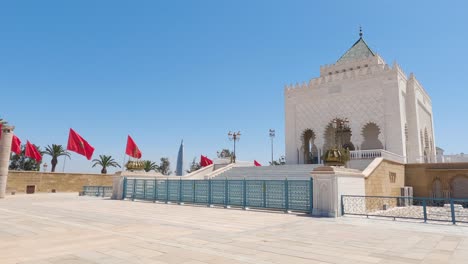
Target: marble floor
x,y
65,228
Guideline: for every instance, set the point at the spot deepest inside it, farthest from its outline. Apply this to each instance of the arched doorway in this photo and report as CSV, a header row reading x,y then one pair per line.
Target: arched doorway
x,y
370,133
310,149
437,189
460,187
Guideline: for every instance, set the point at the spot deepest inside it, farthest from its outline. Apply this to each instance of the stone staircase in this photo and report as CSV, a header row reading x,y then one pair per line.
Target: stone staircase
x,y
292,172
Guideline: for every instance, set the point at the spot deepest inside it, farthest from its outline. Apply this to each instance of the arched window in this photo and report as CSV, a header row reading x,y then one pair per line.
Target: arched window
x,y
426,139
370,133
309,147
406,139
437,189
426,148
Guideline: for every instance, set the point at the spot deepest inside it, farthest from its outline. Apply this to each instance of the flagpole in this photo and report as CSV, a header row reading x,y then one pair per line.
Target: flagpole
x,y
64,159
123,162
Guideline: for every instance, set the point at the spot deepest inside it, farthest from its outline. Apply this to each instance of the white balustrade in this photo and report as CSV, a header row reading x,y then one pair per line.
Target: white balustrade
x,y
376,153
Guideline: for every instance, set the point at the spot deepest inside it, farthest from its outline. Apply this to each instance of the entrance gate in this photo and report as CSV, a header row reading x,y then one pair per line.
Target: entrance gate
x,y
287,195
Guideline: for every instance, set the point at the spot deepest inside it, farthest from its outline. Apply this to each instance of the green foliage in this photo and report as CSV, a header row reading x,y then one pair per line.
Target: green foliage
x,y
165,166
150,165
194,166
105,162
55,151
225,153
23,163
280,161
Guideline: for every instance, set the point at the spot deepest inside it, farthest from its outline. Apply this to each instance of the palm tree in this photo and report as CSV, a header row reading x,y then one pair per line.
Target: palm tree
x,y
55,151
105,161
23,163
149,166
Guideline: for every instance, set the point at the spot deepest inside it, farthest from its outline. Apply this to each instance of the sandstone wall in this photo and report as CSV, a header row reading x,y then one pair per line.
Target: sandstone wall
x,y
386,179
61,182
438,180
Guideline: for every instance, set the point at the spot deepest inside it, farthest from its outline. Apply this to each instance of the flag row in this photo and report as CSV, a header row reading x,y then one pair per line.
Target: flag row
x,y
76,143
79,145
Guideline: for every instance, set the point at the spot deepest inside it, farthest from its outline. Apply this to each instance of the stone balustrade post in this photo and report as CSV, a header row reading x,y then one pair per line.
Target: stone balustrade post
x,y
330,183
5,149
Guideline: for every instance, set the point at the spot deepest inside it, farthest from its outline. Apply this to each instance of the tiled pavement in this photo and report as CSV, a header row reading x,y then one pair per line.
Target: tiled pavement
x,y
66,228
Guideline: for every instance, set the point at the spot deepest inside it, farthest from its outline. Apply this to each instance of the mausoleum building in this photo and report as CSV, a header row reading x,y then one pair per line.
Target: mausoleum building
x,y
385,113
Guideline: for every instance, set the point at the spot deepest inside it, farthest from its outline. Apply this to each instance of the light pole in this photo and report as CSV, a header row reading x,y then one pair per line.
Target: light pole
x,y
272,136
45,167
340,126
233,136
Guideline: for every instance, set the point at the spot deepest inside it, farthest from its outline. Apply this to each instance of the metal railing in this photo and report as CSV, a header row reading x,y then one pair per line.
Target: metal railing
x,y
99,191
400,207
287,195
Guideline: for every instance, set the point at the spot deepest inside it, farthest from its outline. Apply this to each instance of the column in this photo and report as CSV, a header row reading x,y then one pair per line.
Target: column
x,y
5,149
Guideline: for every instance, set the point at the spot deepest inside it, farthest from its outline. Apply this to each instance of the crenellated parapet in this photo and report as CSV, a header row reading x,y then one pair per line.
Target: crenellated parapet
x,y
375,62
343,71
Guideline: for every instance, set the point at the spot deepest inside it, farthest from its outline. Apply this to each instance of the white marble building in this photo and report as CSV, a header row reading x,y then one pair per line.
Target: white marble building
x,y
389,113
450,158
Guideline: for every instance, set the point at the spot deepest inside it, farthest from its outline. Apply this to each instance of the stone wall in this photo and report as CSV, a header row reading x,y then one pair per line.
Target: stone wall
x,y
384,178
438,180
61,182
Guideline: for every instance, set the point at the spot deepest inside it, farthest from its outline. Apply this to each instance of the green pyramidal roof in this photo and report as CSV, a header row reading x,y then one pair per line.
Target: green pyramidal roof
x,y
360,50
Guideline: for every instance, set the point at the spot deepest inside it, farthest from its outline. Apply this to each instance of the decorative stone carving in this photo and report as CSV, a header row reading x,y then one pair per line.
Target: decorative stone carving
x,y
365,90
5,149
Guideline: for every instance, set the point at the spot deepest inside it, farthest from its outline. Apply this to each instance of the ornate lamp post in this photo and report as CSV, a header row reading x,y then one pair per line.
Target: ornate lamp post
x,y
45,167
340,126
337,155
272,136
233,136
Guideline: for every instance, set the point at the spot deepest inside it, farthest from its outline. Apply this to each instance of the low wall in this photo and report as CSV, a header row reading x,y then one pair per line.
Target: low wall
x,y
438,180
329,184
61,182
384,178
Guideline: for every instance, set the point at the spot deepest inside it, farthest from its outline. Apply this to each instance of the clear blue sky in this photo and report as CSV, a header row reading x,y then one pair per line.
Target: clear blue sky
x,y
163,71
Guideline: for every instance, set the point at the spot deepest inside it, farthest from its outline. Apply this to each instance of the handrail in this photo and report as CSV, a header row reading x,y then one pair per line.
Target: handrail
x,y
407,207
219,171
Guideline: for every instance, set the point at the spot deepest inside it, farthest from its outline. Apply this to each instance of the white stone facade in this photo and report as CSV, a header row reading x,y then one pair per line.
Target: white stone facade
x,y
330,184
385,108
451,158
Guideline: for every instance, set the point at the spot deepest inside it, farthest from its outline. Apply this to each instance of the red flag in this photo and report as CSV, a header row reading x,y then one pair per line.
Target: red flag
x,y
16,145
257,164
208,161
204,161
132,149
77,144
32,152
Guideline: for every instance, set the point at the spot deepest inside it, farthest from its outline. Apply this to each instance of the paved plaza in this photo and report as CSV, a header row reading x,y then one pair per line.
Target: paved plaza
x,y
66,228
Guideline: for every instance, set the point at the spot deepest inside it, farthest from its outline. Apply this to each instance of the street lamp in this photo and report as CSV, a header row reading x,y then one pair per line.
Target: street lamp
x,y
45,167
272,136
233,136
340,126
